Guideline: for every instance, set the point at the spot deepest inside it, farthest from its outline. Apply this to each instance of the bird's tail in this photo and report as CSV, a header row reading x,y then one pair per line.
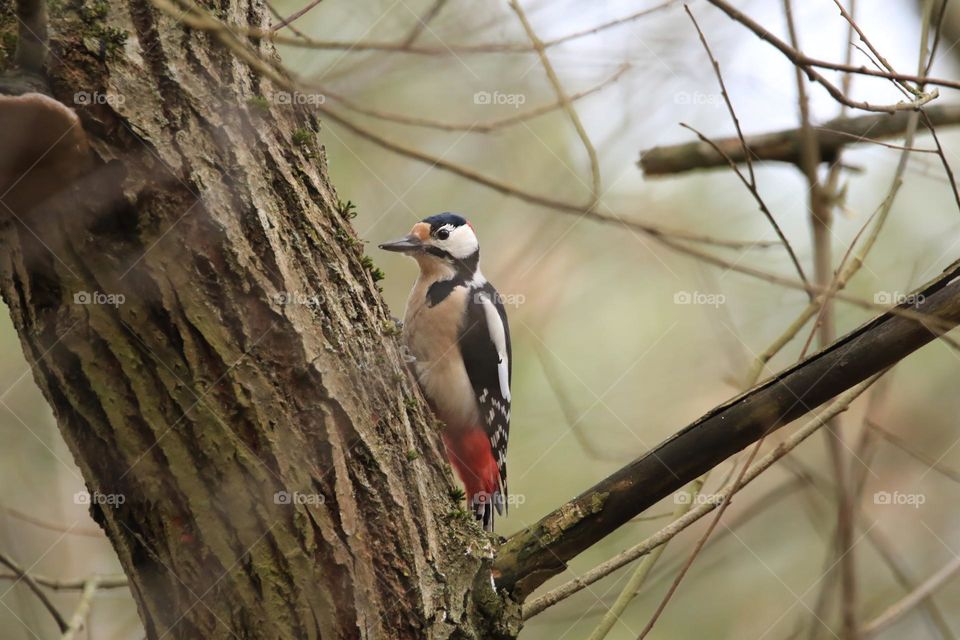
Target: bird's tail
x,y
471,457
483,505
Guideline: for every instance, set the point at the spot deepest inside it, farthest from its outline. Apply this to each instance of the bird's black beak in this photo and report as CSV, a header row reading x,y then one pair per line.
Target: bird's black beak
x,y
404,245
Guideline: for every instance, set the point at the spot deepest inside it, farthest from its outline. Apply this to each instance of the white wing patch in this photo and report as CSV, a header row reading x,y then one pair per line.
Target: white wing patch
x,y
497,334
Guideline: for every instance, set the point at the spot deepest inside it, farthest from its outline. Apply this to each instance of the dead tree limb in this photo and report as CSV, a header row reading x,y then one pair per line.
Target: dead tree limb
x,y
785,145
540,551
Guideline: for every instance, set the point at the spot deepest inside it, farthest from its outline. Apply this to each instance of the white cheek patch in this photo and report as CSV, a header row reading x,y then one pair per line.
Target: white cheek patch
x,y
462,242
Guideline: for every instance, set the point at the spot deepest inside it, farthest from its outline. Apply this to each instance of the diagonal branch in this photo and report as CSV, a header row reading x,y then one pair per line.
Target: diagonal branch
x,y
659,538
564,100
540,551
27,579
808,64
471,127
911,600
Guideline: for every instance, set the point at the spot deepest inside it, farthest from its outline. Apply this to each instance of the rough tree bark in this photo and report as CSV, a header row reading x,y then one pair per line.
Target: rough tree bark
x,y
250,352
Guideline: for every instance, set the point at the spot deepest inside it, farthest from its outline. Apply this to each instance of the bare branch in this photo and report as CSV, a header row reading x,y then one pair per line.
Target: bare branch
x,y
808,64
401,47
424,22
744,148
43,524
23,576
474,127
104,581
79,617
538,45
929,461
541,550
785,146
670,531
296,15
752,188
570,414
897,610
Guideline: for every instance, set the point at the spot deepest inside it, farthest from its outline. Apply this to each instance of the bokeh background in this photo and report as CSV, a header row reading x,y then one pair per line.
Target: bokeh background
x,y
607,361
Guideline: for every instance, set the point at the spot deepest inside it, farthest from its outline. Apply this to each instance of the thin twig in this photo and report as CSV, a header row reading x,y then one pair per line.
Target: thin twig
x,y
863,38
296,15
474,127
27,579
808,65
43,524
821,218
627,556
671,240
538,45
929,461
898,609
943,157
423,22
79,618
738,483
725,95
638,577
271,35
551,375
763,208
888,552
104,581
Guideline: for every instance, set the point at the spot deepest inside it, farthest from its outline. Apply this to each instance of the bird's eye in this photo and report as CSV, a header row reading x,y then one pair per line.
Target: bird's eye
x,y
443,234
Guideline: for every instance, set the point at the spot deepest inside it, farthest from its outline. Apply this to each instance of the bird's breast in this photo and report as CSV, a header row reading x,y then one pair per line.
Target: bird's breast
x,y
431,334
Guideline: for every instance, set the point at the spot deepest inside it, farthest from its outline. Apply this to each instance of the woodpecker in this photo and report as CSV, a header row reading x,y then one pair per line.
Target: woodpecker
x,y
455,328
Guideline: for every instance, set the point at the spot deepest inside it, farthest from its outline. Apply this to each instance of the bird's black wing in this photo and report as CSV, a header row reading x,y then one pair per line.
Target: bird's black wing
x,y
485,347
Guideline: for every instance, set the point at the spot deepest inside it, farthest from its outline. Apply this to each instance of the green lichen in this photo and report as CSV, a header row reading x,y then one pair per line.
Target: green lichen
x,y
346,209
258,103
375,272
111,39
412,455
597,501
8,34
345,238
459,513
302,137
390,328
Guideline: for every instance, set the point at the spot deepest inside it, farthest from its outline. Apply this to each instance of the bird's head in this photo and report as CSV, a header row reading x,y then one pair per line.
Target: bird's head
x,y
445,241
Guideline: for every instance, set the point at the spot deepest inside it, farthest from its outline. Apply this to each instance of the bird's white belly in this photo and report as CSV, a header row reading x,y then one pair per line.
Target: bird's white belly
x,y
431,335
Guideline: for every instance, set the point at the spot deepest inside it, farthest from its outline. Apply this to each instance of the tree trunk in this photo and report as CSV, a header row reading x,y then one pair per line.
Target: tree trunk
x,y
197,311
